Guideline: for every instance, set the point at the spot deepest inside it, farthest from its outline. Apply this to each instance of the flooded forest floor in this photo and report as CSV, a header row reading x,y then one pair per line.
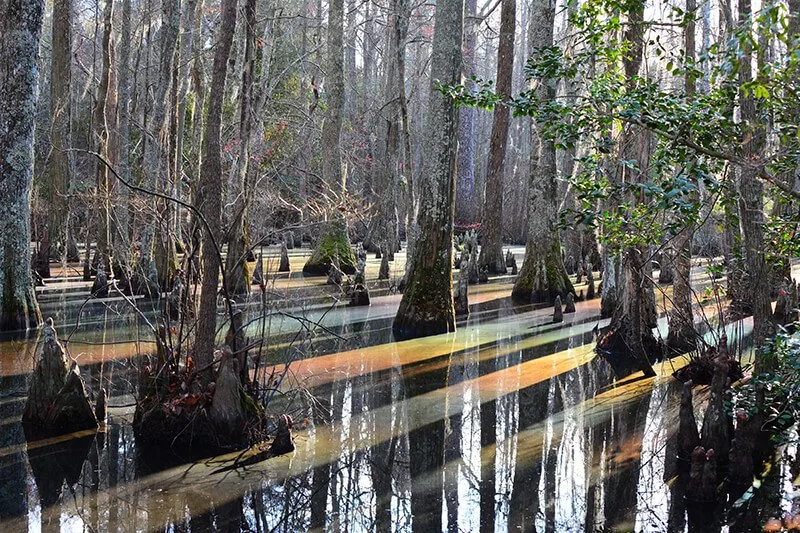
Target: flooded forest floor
x,y
512,423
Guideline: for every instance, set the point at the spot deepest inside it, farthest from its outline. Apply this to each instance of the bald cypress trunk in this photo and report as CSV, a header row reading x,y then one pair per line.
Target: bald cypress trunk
x,y
632,318
682,336
751,208
187,50
210,193
542,276
58,170
334,240
157,244
427,304
121,237
21,29
238,274
389,172
491,229
103,108
465,168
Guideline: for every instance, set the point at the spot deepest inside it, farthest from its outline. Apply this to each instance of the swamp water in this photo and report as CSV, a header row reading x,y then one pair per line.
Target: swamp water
x,y
510,424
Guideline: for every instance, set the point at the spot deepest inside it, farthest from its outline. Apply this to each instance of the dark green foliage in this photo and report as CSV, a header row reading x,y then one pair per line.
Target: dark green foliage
x,y
774,396
697,134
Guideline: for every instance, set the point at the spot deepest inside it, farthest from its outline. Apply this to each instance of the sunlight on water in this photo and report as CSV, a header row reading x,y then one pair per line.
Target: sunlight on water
x,y
511,423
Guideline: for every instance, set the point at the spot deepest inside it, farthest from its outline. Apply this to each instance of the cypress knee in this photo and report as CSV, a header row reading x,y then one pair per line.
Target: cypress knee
x,y
558,313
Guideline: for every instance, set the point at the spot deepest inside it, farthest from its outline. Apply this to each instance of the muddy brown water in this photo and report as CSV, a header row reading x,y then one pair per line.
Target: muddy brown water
x,y
510,424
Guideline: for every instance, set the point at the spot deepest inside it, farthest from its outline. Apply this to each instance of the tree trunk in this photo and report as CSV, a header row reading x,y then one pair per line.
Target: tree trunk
x,y
387,221
238,275
21,28
180,89
58,170
122,235
102,138
427,304
210,193
751,209
465,168
335,238
491,229
681,336
542,276
155,156
633,316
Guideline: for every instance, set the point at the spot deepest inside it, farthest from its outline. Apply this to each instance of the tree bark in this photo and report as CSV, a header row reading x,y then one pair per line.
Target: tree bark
x,y
238,275
542,276
751,209
632,318
682,336
491,229
387,220
102,137
210,193
155,154
58,170
122,235
465,168
21,28
427,304
334,235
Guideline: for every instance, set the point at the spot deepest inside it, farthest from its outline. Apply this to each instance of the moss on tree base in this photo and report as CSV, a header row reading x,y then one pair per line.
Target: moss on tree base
x,y
427,306
543,277
335,242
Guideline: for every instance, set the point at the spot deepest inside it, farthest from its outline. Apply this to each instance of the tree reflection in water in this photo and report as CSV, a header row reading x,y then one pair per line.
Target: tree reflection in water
x,y
509,425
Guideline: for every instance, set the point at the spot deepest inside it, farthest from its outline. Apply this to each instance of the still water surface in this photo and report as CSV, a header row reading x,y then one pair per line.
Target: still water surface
x,y
510,424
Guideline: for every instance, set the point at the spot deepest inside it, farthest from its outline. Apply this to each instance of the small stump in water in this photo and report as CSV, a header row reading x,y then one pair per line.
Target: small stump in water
x,y
569,307
283,437
558,313
742,466
383,271
100,285
360,294
57,400
284,265
461,297
258,271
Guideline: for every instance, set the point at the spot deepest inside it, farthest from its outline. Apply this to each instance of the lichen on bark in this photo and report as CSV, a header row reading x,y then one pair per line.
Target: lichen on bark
x,y
543,276
20,27
427,306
